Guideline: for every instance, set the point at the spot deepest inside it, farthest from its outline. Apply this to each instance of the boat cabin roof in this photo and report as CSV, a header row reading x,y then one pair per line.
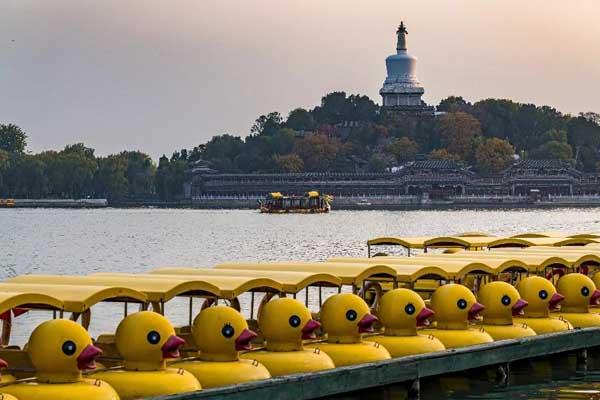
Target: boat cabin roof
x,y
348,273
466,242
540,241
407,242
155,290
291,281
29,300
77,298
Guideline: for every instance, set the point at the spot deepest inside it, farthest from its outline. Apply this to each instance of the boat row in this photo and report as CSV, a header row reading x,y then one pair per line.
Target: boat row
x,y
251,321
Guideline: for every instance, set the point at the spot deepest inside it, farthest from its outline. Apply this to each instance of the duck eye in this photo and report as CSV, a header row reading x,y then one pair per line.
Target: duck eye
x,y
543,294
69,348
585,291
153,337
295,321
505,300
462,304
409,309
351,315
227,331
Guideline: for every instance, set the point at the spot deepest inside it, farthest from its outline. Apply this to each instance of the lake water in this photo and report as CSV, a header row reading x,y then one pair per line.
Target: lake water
x,y
135,240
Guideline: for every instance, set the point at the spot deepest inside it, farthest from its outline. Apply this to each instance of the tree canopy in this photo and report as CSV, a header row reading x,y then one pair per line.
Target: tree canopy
x,y
343,133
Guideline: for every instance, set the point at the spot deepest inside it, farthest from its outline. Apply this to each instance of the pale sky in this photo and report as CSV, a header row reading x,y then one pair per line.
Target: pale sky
x,y
161,75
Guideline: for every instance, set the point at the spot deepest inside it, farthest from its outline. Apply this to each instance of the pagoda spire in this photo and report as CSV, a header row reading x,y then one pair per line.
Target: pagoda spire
x,y
401,32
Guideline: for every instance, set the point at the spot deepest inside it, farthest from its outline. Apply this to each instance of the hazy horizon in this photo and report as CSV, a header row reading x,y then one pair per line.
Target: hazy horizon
x,y
159,76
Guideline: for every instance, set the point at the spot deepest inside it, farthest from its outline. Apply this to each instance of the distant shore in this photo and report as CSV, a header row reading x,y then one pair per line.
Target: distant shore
x,y
366,203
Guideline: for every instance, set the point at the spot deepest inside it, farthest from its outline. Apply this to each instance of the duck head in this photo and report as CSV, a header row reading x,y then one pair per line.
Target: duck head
x,y
579,293
145,340
454,305
501,301
541,296
401,311
284,323
59,350
345,317
220,333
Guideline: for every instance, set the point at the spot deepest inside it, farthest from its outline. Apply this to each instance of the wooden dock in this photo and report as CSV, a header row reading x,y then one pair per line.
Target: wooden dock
x,y
408,370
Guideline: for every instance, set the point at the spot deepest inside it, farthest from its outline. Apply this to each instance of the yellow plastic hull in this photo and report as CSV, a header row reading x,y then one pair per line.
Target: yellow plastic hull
x,y
400,346
453,338
140,384
291,362
503,332
355,353
87,389
544,325
582,320
216,374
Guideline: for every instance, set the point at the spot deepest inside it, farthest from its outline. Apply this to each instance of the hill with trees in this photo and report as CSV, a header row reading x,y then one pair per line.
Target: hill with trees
x,y
342,134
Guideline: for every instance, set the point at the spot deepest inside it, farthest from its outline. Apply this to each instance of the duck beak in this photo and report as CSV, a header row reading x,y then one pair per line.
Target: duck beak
x,y
3,364
475,310
595,298
365,325
308,332
554,300
171,347
243,341
423,316
517,309
86,358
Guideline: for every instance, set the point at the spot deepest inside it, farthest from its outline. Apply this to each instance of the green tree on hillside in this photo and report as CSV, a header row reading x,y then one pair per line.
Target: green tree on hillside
x,y
493,155
458,132
12,138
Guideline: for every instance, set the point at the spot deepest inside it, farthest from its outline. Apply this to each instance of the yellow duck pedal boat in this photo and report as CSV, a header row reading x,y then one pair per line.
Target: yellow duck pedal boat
x,y
579,293
285,323
345,318
220,332
502,302
454,306
542,297
401,311
146,340
59,350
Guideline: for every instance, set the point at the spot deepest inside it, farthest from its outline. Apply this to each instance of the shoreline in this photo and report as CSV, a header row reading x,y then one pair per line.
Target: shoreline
x,y
250,204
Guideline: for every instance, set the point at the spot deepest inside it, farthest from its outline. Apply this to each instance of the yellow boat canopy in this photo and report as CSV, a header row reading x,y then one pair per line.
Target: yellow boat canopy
x,y
229,287
589,235
28,300
276,195
535,263
348,273
546,241
406,242
313,193
291,282
533,235
466,242
156,290
77,298
473,234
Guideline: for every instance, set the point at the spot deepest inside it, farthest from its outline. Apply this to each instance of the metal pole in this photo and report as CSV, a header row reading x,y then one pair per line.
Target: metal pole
x,y
191,307
252,305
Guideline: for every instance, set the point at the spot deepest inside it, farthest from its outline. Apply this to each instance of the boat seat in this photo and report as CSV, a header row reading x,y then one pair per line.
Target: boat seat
x,y
18,361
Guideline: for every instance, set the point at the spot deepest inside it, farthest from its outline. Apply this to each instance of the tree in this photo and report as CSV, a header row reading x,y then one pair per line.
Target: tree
x,y
12,138
4,165
458,132
453,104
222,150
403,149
442,154
267,124
552,150
318,152
300,120
111,179
591,116
289,163
376,164
494,155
